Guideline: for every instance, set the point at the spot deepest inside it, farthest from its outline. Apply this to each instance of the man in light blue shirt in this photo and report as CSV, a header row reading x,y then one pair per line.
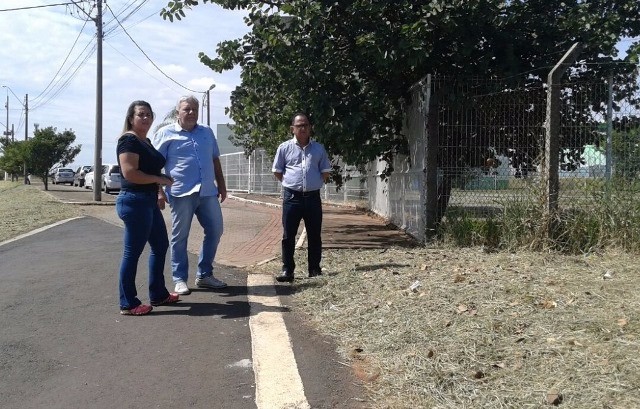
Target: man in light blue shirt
x,y
193,161
303,167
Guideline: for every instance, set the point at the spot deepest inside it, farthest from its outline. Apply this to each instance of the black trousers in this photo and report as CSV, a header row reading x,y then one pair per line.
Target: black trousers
x,y
297,206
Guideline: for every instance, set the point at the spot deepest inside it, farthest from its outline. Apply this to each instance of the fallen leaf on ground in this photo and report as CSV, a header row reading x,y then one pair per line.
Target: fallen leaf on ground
x,y
549,304
554,397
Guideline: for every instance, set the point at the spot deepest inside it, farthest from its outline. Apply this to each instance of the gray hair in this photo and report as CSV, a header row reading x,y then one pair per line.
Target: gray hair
x,y
187,98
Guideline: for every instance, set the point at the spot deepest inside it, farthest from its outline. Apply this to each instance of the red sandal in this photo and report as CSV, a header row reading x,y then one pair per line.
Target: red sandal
x,y
139,310
171,298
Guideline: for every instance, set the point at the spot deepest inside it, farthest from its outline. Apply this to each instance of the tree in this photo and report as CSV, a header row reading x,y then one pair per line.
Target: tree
x,y
48,148
14,157
169,118
350,64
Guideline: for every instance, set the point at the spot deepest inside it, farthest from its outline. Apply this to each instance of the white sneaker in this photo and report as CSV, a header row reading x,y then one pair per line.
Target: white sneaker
x,y
182,288
210,282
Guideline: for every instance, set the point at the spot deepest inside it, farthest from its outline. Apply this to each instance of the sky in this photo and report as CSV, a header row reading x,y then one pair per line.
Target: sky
x,y
49,54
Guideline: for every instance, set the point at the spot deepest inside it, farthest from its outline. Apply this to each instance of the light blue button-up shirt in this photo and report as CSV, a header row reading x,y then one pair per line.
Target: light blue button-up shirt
x,y
189,156
301,168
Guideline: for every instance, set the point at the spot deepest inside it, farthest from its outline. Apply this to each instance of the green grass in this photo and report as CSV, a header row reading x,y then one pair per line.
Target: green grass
x,y
26,207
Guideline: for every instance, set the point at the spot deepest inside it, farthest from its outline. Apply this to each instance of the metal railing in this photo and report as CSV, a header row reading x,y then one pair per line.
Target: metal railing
x,y
253,175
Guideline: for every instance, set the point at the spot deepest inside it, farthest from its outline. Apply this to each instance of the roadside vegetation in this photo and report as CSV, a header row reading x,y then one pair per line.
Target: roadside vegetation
x,y
41,154
453,327
610,220
458,324
25,208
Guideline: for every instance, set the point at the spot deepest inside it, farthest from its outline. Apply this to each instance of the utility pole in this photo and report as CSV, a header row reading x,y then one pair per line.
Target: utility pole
x,y
97,154
208,108
97,158
26,134
6,133
7,106
26,130
208,95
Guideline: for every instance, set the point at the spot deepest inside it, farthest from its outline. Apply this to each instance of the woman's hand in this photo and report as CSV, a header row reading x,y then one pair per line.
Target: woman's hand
x,y
162,201
165,180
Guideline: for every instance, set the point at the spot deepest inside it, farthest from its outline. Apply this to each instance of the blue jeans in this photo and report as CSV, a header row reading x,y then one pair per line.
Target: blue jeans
x,y
298,206
207,210
143,222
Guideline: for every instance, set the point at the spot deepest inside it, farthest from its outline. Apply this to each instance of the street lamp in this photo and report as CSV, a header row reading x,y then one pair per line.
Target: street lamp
x,y
26,121
206,100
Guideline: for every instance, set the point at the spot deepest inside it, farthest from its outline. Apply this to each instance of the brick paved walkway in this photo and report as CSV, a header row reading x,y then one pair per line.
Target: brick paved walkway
x,y
253,229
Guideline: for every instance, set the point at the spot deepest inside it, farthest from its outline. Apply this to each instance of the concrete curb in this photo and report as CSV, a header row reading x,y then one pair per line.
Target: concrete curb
x,y
242,199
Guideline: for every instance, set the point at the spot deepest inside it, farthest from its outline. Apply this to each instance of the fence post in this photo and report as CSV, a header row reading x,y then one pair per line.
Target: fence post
x,y
431,161
345,197
250,160
609,153
552,143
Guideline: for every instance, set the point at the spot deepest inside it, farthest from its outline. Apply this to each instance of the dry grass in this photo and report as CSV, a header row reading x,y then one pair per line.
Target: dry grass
x,y
448,327
24,208
460,328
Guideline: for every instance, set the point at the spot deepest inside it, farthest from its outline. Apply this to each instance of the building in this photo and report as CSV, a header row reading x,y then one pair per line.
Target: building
x,y
223,132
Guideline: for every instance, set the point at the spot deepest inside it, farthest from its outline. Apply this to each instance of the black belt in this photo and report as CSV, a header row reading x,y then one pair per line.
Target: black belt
x,y
303,194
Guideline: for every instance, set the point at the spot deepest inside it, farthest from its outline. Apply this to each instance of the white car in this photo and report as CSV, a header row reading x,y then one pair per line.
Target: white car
x,y
80,172
110,178
88,180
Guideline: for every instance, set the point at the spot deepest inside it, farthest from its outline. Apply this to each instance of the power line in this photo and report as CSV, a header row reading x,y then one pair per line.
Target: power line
x,y
125,8
68,80
63,63
65,78
37,7
148,58
116,30
146,72
134,63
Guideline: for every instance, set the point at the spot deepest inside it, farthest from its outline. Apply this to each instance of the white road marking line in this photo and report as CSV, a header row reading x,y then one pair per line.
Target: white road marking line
x,y
36,231
278,383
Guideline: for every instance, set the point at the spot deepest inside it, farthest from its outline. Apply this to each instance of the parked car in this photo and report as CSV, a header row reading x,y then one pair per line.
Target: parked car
x,y
88,179
80,174
63,175
110,178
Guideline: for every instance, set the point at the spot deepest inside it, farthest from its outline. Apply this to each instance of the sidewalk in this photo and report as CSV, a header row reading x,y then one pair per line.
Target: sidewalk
x,y
253,228
345,226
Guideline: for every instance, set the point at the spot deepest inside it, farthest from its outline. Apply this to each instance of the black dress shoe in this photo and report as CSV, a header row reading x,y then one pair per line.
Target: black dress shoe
x,y
315,273
284,277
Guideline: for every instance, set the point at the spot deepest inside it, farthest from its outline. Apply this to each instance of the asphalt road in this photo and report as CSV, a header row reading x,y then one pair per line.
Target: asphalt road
x,y
64,345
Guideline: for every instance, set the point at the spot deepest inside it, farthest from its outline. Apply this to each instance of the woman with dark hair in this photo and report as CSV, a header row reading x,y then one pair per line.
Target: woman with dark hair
x,y
139,206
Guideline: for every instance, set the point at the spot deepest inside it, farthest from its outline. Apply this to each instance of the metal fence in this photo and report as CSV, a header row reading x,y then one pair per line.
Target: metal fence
x,y
486,141
252,174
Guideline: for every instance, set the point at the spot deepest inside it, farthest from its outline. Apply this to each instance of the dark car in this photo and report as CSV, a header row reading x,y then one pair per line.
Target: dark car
x,y
78,179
